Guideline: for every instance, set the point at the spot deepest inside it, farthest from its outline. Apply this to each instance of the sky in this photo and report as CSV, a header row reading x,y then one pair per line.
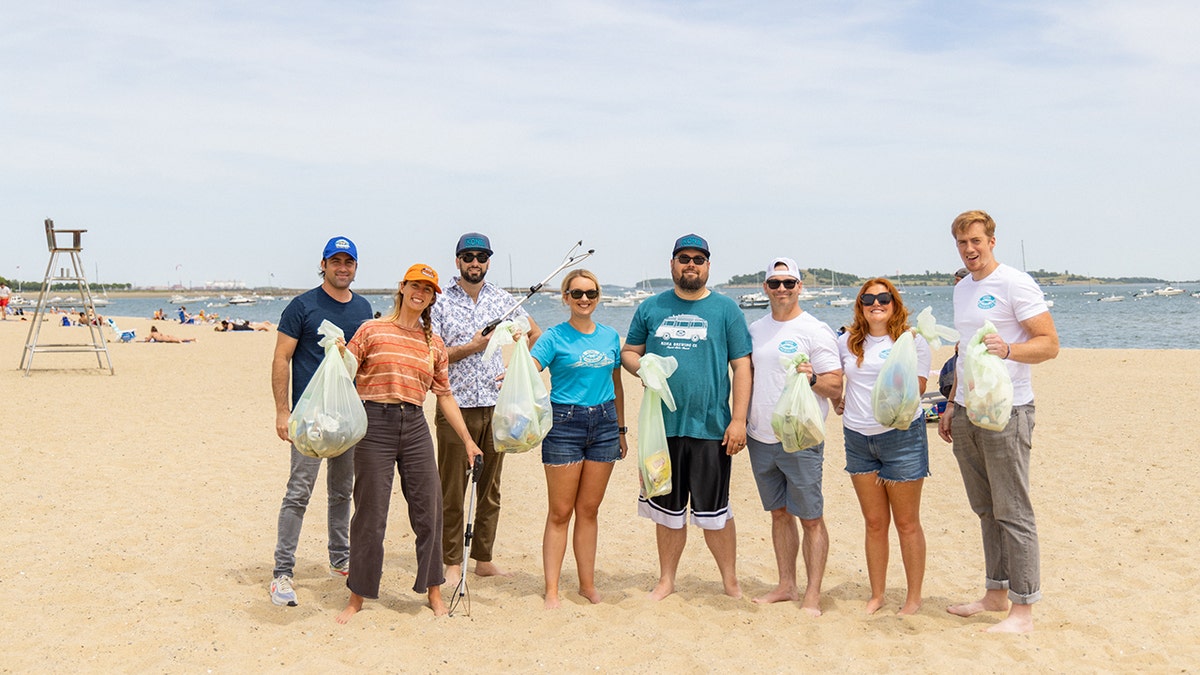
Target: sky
x,y
214,140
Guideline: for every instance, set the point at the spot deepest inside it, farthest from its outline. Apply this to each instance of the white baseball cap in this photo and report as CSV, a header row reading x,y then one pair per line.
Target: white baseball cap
x,y
792,269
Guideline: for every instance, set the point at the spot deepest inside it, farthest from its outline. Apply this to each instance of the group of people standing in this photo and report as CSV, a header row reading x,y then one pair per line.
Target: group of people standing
x,y
727,383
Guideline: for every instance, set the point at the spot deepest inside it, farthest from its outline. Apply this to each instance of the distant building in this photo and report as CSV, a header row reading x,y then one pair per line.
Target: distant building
x,y
231,285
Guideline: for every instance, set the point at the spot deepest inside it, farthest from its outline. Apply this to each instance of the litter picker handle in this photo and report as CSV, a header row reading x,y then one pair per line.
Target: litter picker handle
x,y
476,469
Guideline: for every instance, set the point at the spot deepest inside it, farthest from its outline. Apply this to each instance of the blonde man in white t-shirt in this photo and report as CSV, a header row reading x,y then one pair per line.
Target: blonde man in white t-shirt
x,y
995,464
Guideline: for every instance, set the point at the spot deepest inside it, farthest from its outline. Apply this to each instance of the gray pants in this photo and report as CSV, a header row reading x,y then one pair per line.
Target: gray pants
x,y
397,439
995,471
339,480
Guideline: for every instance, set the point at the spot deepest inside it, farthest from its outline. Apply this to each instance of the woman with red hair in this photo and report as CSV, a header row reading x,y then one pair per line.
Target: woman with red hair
x,y
887,466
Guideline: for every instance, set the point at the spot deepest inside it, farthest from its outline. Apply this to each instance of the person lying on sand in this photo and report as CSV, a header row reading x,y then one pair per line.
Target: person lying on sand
x,y
158,336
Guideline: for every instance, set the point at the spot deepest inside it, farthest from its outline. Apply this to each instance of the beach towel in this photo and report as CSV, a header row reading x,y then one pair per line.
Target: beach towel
x,y
797,419
329,418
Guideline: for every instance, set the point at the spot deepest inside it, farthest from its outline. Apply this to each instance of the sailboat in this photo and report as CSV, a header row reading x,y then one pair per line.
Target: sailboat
x,y
103,300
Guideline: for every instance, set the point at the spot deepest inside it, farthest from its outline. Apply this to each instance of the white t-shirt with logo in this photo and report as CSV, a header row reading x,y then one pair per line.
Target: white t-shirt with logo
x,y
1006,297
859,414
774,340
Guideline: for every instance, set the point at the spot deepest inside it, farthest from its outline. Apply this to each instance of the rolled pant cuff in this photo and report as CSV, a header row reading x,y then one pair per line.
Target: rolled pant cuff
x,y
994,585
1029,599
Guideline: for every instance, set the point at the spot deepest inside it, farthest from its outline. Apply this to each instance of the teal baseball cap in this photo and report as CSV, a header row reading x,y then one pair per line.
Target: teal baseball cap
x,y
691,241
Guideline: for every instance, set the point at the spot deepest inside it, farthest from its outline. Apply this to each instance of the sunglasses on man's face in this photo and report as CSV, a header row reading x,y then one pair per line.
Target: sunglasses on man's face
x,y
470,256
577,294
869,299
787,283
685,259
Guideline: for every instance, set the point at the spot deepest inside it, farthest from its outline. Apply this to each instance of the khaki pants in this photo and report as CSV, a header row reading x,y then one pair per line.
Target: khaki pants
x,y
452,465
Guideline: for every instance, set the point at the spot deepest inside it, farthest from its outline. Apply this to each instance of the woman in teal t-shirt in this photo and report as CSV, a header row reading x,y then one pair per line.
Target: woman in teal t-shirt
x,y
588,434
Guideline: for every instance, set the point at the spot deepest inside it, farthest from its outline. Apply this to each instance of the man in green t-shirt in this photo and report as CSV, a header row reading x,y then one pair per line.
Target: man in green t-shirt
x,y
707,334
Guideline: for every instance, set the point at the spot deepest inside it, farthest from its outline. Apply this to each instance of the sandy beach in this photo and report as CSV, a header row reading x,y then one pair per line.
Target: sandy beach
x,y
138,520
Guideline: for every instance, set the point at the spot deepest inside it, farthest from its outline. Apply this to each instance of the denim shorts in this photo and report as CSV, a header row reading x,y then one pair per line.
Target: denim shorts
x,y
898,456
582,432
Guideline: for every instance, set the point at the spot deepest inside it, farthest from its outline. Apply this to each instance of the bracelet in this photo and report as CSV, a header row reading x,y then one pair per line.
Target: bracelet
x,y
622,430
1009,353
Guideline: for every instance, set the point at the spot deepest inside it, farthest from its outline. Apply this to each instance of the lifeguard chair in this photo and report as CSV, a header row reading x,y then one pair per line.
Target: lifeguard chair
x,y
71,246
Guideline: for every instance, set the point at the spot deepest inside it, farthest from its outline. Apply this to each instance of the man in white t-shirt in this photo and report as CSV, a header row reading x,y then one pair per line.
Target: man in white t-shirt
x,y
995,464
789,484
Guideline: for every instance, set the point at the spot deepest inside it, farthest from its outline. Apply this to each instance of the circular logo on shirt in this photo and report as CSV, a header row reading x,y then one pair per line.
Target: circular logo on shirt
x,y
591,357
789,347
987,302
884,354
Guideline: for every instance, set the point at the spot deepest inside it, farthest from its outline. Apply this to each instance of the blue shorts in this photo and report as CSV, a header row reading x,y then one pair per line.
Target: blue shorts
x,y
582,432
788,479
898,456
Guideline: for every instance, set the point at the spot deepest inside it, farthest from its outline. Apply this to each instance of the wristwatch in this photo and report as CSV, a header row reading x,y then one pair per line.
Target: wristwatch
x,y
812,380
622,430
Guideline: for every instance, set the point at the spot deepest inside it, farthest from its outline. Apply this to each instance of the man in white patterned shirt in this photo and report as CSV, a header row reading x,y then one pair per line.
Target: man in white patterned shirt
x,y
459,316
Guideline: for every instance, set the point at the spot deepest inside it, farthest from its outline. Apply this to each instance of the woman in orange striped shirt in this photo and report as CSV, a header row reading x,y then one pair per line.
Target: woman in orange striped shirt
x,y
400,360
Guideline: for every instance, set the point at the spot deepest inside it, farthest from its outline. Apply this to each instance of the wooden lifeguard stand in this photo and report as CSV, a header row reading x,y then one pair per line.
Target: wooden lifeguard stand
x,y
65,274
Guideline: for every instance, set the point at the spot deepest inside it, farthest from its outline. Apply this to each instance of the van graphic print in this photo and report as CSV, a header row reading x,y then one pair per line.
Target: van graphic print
x,y
682,327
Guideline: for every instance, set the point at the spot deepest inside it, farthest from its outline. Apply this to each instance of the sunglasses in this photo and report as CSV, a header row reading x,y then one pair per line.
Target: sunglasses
x,y
470,256
577,294
686,259
787,283
869,299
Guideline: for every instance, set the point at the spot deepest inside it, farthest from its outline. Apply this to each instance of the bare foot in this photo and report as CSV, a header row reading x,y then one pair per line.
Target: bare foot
x,y
778,594
593,596
812,602
1019,620
352,608
662,589
552,601
488,569
435,601
873,605
733,589
910,608
453,575
986,604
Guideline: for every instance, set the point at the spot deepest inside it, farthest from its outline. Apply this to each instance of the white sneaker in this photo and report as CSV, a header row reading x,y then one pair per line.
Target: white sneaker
x,y
282,592
342,570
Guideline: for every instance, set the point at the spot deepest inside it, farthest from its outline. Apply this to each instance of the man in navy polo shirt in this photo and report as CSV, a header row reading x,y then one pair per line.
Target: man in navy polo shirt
x,y
297,354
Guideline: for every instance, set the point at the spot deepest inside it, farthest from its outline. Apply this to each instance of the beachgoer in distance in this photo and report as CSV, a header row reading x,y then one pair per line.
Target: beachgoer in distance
x,y
946,375
995,464
5,294
887,466
400,360
297,354
466,307
588,434
706,333
157,336
789,483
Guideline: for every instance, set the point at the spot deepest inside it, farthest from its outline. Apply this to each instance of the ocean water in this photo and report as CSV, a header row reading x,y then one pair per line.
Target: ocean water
x,y
1083,322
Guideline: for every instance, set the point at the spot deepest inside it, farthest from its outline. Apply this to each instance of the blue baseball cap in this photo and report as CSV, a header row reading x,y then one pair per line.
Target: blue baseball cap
x,y
473,241
691,241
340,245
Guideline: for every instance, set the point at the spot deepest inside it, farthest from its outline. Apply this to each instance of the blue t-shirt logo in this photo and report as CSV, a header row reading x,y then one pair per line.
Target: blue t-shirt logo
x,y
987,302
884,354
789,347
